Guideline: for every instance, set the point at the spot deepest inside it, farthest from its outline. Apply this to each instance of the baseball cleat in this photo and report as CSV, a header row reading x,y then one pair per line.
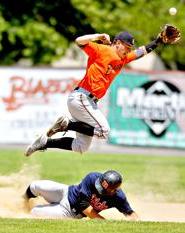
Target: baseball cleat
x,y
38,144
59,126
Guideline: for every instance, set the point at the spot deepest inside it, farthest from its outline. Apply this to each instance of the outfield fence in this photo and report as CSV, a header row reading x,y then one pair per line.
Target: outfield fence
x,y
148,109
143,108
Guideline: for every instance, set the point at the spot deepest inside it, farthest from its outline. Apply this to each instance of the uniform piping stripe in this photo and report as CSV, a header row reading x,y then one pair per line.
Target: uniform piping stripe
x,y
91,116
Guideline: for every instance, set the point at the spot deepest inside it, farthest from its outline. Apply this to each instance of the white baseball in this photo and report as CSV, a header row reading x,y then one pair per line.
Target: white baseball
x,y
172,11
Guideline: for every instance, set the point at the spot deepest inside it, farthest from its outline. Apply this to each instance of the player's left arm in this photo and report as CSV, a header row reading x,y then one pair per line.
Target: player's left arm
x,y
168,35
92,213
124,207
143,50
86,208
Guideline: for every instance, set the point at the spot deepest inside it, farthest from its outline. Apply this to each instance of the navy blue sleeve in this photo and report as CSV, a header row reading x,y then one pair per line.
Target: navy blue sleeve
x,y
122,204
85,191
87,184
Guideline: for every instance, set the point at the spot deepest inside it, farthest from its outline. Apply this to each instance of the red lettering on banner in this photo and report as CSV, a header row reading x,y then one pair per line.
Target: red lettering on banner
x,y
33,91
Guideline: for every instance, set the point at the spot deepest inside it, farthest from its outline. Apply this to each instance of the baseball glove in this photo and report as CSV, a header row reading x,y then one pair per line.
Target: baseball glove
x,y
169,34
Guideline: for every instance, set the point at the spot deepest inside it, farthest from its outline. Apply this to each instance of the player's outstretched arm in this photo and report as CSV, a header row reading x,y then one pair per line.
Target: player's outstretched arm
x,y
83,40
168,35
91,213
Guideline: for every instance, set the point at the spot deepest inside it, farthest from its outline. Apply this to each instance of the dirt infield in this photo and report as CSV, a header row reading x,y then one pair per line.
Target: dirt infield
x,y
160,212
12,204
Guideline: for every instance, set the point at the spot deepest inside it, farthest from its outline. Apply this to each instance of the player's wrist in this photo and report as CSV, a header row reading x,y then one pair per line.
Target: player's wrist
x,y
158,40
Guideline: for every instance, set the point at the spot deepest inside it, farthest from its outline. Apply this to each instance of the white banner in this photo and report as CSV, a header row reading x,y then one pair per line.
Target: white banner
x,y
31,99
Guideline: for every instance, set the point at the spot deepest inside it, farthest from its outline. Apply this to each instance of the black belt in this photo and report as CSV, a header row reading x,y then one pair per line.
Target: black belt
x,y
90,95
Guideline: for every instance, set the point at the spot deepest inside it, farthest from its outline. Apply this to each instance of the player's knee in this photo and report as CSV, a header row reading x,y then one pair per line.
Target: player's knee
x,y
81,148
106,131
81,144
33,211
37,211
102,132
34,187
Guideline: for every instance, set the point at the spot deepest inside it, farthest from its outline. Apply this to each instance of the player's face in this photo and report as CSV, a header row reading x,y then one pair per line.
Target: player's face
x,y
110,190
122,49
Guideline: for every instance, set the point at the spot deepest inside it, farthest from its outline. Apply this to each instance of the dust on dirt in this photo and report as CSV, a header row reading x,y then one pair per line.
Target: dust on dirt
x,y
12,189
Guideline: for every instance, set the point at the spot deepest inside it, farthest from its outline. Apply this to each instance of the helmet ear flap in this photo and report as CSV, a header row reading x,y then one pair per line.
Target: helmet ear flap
x,y
98,186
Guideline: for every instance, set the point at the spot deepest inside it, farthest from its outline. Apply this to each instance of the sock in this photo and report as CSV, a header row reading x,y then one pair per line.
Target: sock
x,y
81,127
61,143
29,194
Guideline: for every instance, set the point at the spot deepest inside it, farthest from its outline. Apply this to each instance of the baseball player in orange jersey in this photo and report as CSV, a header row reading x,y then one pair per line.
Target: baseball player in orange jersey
x,y
105,61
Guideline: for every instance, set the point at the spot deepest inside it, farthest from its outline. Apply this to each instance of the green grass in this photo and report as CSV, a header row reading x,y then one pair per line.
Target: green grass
x,y
51,226
160,178
10,161
156,175
163,177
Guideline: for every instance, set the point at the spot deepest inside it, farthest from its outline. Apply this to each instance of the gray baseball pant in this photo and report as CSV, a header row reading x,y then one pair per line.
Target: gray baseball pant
x,y
83,108
56,194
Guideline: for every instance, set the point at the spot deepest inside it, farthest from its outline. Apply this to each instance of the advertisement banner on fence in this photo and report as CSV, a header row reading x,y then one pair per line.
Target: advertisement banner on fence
x,y
31,99
148,109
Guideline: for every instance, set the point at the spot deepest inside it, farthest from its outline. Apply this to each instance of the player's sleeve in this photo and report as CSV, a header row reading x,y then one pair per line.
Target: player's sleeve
x,y
91,49
143,50
123,205
85,193
135,54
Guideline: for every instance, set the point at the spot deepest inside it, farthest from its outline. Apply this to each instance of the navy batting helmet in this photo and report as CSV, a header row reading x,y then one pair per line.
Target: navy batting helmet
x,y
113,179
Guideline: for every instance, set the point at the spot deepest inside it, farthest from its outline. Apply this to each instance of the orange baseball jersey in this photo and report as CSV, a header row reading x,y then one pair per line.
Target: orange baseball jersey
x,y
103,66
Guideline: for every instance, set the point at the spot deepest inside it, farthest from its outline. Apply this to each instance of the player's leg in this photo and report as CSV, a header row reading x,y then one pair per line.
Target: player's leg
x,y
62,210
51,191
54,193
38,144
84,110
87,120
63,123
86,117
79,144
50,211
60,125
